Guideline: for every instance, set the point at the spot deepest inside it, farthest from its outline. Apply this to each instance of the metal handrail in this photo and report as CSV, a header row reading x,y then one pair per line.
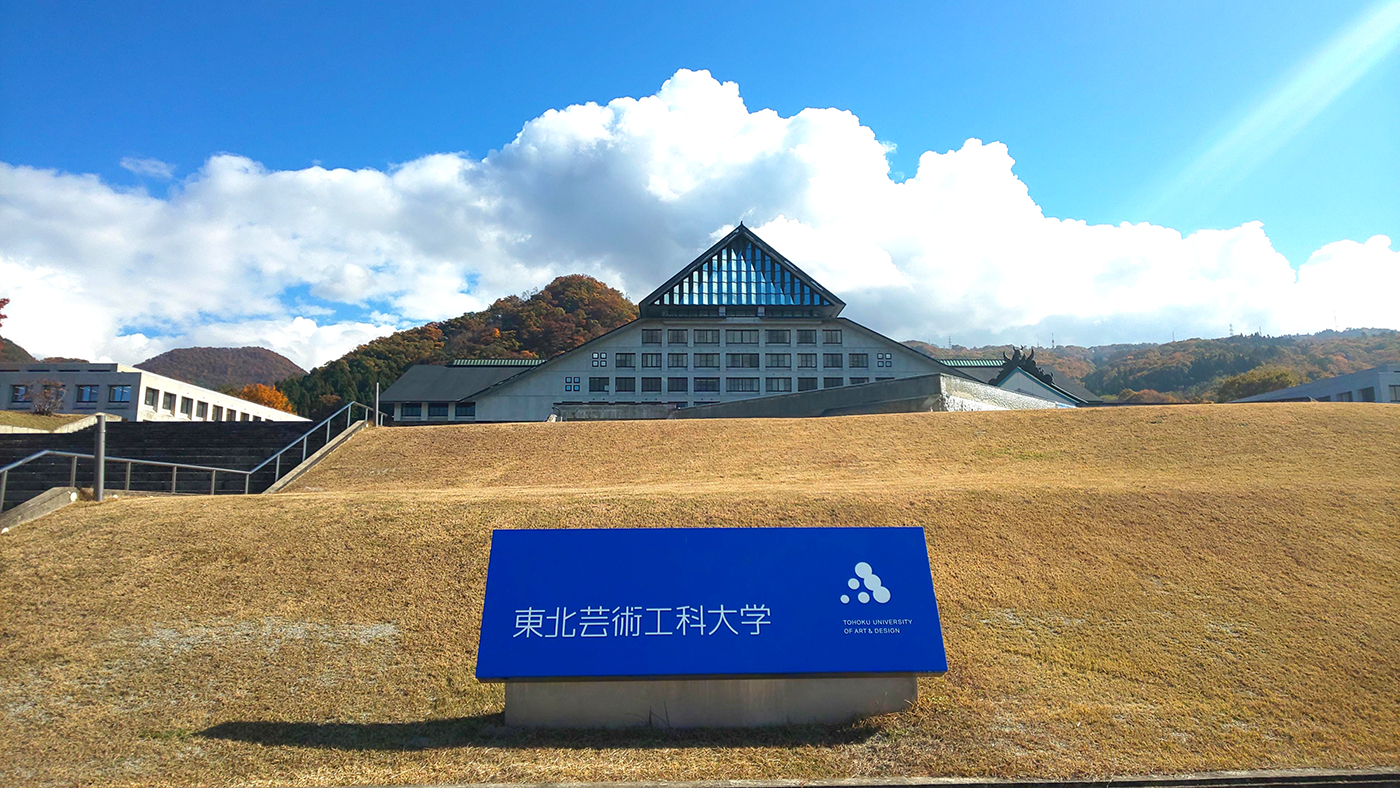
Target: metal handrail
x,y
347,409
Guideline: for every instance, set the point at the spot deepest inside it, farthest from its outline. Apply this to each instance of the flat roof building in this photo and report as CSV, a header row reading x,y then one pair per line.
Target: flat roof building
x,y
1378,384
741,322
134,394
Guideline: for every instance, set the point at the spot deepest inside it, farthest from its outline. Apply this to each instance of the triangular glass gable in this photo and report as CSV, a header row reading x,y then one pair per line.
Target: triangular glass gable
x,y
742,274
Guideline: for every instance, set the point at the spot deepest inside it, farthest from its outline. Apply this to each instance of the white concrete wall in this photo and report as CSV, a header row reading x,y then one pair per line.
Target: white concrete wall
x,y
532,395
109,378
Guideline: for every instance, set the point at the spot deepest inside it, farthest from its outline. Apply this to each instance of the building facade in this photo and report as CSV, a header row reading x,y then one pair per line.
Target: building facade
x,y
131,393
740,322
1378,384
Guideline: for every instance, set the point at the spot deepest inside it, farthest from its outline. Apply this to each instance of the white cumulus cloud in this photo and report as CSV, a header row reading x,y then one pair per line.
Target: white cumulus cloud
x,y
152,168
312,262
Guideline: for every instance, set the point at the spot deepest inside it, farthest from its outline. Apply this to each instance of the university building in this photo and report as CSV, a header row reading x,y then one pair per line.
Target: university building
x,y
739,324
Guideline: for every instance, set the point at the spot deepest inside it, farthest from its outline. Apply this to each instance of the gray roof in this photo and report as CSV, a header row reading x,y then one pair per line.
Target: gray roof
x,y
436,383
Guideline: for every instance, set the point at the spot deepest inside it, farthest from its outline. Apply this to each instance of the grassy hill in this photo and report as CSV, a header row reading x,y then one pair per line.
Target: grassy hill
x,y
223,367
1123,591
11,352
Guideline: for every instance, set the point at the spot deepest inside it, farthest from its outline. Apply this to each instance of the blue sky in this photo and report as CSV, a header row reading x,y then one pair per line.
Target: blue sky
x,y
1102,106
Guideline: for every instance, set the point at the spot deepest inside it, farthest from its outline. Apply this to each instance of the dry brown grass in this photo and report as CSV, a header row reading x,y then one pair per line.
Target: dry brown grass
x,y
1123,591
15,418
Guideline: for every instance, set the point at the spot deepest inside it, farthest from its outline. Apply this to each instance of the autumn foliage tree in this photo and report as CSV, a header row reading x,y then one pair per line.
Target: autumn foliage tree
x,y
4,302
1260,380
267,396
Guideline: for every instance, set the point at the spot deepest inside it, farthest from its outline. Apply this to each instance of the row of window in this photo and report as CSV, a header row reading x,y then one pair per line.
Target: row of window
x,y
88,394
1368,394
742,360
190,408
740,336
732,385
438,410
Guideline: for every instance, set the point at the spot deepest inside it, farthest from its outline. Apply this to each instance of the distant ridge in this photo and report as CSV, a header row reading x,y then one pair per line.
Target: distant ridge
x,y
10,352
223,367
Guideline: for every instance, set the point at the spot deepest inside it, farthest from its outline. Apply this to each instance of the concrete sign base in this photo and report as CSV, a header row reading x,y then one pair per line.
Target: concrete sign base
x,y
705,703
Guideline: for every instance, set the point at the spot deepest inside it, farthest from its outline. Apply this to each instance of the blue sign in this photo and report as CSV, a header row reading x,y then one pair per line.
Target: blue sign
x,y
715,602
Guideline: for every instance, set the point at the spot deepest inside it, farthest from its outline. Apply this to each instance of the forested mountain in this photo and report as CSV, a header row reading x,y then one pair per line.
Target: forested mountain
x,y
12,353
568,312
1196,368
225,368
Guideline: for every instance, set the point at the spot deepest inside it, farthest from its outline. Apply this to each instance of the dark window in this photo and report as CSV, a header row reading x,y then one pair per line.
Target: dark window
x,y
858,381
877,380
703,385
625,384
676,360
778,336
152,397
831,383
651,385
626,360
778,360
707,336
740,336
1325,398
651,361
775,385
119,394
20,394
860,360
741,385
677,385
169,402
1345,396
831,360
806,360
806,384
571,383
233,414
1368,394
707,361
831,336
806,336
677,336
186,405
1395,393
247,417
218,413
410,410
437,410
598,384
201,411
466,410
741,361
87,393
651,336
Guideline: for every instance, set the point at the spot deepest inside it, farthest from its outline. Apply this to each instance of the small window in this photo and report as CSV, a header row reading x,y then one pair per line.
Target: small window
x,y
598,385
571,384
831,383
707,336
186,405
677,336
1368,394
707,361
651,385
600,359
860,360
1325,398
778,336
233,414
87,394
707,385
806,360
201,410
737,336
437,410
677,360
883,360
807,336
741,385
218,413
677,385
741,361
777,385
778,361
1345,396
806,384
119,394
831,360
20,394
152,397
651,336
651,361
858,381
625,384
626,360
465,410
1395,393
831,336
410,410
247,417
168,403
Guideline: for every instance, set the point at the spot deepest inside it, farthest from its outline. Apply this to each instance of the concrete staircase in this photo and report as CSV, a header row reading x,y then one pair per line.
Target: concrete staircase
x,y
233,445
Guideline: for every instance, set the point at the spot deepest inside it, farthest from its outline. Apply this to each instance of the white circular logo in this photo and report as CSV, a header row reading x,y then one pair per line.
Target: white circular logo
x,y
873,588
